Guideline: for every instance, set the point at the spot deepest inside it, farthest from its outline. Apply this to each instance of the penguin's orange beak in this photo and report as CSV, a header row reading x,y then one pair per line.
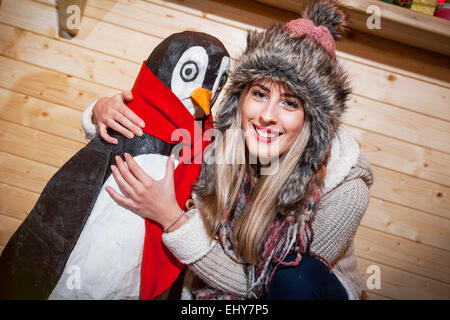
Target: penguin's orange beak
x,y
201,98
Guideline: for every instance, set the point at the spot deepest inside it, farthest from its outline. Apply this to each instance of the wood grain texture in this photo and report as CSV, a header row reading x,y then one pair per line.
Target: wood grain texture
x,y
403,254
16,202
8,226
408,158
406,26
411,192
23,173
398,123
41,115
36,145
403,285
66,58
48,85
407,223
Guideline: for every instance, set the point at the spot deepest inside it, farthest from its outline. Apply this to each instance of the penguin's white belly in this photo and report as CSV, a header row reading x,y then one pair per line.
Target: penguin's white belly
x,y
106,260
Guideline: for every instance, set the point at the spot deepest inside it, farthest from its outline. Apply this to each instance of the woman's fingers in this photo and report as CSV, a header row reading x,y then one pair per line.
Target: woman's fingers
x,y
150,199
113,124
126,95
126,189
133,121
114,113
137,171
123,201
103,130
170,164
127,174
125,121
131,116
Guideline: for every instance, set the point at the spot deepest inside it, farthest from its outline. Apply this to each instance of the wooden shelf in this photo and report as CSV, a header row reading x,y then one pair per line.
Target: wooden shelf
x,y
397,23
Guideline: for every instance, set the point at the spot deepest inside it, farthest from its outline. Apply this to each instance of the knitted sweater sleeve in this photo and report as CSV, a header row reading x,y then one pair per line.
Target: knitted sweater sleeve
x,y
340,212
205,258
219,271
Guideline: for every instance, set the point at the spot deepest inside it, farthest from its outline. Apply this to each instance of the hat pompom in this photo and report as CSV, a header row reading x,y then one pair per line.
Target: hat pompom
x,y
326,13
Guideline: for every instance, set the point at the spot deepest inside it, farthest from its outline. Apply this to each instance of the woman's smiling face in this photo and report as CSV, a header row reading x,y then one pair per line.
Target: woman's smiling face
x,y
272,118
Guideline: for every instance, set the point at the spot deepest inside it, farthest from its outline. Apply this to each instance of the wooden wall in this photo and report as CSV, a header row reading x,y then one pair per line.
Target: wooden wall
x,y
399,113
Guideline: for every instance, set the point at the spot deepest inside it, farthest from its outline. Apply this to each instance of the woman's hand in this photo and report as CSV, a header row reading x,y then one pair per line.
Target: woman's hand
x,y
111,112
151,199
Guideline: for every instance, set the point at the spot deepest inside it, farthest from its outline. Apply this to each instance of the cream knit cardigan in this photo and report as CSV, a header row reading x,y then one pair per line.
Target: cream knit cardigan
x,y
345,197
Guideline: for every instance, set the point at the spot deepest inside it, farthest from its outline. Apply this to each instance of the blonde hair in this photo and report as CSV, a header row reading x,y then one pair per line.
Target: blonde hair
x,y
231,163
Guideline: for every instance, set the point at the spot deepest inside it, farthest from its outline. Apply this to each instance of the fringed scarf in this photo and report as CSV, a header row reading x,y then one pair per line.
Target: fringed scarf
x,y
290,232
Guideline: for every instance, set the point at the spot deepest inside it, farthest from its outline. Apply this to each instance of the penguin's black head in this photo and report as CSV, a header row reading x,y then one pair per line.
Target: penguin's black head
x,y
194,66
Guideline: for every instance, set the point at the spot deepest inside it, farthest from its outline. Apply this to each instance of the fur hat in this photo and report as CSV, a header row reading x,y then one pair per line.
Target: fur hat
x,y
309,69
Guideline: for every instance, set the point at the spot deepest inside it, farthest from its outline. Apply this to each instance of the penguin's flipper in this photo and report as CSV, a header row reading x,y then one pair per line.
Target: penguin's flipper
x,y
34,258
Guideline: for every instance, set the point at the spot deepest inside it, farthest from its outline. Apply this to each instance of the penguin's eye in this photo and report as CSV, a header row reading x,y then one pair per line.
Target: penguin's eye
x,y
189,71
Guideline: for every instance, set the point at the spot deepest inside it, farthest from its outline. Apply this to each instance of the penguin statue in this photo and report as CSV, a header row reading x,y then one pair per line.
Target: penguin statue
x,y
77,242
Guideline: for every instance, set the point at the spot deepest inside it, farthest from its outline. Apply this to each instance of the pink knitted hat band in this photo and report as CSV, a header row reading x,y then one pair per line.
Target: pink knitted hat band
x,y
321,34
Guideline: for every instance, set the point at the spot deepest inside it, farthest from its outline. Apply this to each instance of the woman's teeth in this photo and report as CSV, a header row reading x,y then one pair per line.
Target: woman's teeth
x,y
265,134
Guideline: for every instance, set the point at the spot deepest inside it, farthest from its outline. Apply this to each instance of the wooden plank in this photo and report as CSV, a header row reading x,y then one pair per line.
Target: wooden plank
x,y
411,192
403,157
412,97
36,145
23,173
16,202
398,123
162,22
159,22
41,115
407,223
405,17
399,90
107,38
362,47
395,57
67,58
241,14
399,284
8,226
406,26
403,254
55,87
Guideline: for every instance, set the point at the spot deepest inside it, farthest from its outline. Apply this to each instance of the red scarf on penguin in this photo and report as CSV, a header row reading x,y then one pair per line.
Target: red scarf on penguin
x,y
163,114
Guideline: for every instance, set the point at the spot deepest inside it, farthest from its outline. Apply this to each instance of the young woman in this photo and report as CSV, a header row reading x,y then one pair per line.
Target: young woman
x,y
282,226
